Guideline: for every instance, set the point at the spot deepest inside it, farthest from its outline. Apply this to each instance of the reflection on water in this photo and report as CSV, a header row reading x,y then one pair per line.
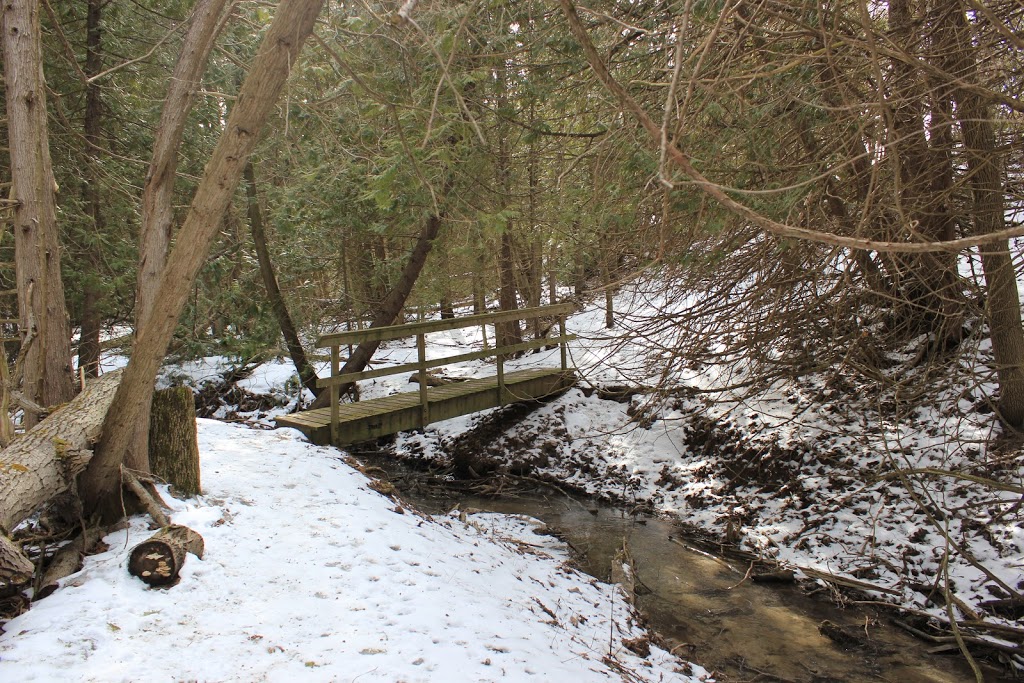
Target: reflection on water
x,y
702,606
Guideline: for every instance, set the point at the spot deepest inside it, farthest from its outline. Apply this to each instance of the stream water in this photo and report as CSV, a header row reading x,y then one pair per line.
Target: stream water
x,y
700,605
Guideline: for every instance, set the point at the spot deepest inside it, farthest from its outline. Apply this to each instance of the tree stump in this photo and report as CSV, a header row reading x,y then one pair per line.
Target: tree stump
x,y
173,442
159,559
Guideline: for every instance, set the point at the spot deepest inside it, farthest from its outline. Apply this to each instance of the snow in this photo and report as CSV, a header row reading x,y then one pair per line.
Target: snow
x,y
310,574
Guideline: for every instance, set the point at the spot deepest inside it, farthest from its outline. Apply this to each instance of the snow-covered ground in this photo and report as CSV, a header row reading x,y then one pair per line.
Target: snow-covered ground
x,y
308,571
828,478
310,574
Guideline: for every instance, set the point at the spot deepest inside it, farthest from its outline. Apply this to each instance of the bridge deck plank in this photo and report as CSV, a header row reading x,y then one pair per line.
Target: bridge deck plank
x,y
390,414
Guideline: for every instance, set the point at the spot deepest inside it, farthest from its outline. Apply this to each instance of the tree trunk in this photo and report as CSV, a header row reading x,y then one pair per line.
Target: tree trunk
x,y
930,282
392,305
6,424
292,24
158,190
45,328
277,304
46,460
173,440
480,301
1002,303
159,559
91,324
507,333
91,320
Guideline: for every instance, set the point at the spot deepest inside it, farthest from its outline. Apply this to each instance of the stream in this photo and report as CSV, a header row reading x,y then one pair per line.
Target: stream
x,y
700,604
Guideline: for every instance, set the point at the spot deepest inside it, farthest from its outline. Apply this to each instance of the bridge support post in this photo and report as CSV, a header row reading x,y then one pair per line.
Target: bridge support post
x,y
421,353
562,344
335,394
501,380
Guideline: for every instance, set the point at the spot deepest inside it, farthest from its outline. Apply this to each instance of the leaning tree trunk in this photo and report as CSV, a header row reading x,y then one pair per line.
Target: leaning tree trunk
x,y
42,311
46,460
391,306
158,190
292,24
277,304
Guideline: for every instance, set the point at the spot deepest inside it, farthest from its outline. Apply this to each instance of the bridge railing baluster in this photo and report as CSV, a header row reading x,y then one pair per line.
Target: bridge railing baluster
x,y
335,392
421,353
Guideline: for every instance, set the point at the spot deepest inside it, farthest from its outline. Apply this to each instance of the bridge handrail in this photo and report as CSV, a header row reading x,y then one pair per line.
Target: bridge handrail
x,y
392,332
349,377
420,330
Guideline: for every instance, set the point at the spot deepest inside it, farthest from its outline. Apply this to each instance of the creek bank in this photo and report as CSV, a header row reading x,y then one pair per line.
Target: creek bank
x,y
732,614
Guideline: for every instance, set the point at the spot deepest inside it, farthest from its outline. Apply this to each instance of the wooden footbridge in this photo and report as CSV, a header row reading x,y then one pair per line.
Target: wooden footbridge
x,y
346,423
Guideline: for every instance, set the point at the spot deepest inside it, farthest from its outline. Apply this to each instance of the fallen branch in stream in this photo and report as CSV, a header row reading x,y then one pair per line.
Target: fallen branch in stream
x,y
1001,631
845,581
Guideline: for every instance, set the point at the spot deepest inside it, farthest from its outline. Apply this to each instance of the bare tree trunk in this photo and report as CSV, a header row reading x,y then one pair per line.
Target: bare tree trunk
x,y
292,24
607,278
1003,301
158,191
507,333
6,424
391,306
91,325
91,320
277,304
45,328
930,281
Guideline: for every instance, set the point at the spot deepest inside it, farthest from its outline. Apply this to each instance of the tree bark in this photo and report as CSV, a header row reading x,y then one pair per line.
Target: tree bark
x,y
930,283
391,306
307,375
159,559
1002,303
67,561
6,424
45,328
279,50
174,441
46,460
507,333
91,319
15,569
158,190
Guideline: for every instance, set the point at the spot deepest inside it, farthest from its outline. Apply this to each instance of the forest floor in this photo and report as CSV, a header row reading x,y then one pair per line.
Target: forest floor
x,y
919,508
313,572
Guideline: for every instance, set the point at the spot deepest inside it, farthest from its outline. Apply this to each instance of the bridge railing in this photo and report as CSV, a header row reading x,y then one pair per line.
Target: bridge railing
x,y
419,330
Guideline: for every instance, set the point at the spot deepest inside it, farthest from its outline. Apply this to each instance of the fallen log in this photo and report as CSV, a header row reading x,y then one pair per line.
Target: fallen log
x,y
44,462
159,559
15,569
67,561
